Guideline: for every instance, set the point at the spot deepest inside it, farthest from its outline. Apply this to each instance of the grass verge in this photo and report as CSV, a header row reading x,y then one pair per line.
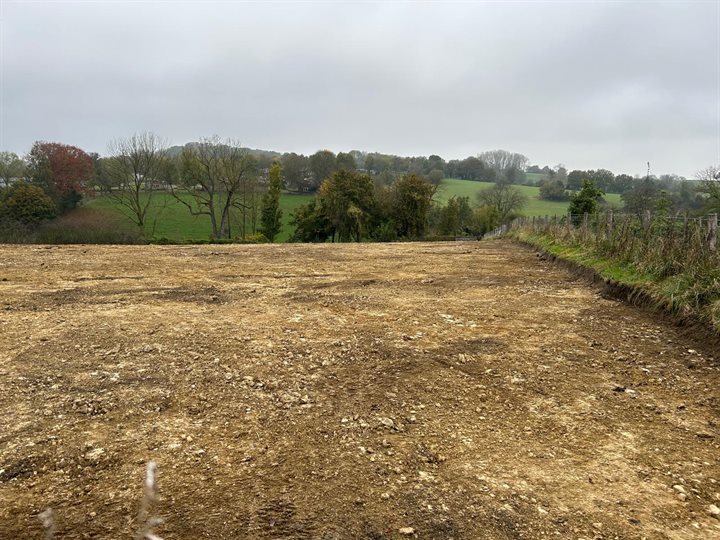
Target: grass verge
x,y
692,296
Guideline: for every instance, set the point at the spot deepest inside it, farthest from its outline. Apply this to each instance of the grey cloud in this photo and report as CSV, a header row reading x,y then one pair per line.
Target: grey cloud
x,y
591,84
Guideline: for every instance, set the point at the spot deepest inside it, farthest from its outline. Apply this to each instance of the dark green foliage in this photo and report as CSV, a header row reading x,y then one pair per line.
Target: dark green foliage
x,y
271,215
585,201
311,224
553,190
486,218
347,199
455,218
322,165
345,162
411,198
26,204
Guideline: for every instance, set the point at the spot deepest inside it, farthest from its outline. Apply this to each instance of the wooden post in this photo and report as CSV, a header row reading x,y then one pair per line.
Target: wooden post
x,y
648,219
610,224
712,231
585,225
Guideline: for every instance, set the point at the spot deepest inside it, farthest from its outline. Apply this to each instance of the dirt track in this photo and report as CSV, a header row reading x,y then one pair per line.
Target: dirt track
x,y
346,391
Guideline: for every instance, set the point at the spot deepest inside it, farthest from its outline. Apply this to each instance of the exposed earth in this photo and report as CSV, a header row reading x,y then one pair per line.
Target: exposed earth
x,y
447,390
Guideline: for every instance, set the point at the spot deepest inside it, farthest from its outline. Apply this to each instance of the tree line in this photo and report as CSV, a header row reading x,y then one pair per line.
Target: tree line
x,y
358,195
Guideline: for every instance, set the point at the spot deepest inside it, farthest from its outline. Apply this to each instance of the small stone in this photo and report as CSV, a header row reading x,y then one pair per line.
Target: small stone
x,y
407,531
714,511
385,496
387,422
679,488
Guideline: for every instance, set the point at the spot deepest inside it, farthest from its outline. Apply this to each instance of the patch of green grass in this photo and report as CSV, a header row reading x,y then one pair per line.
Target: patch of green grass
x,y
454,187
170,219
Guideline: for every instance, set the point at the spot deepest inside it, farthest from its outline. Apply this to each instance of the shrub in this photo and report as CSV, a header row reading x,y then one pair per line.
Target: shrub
x,y
26,204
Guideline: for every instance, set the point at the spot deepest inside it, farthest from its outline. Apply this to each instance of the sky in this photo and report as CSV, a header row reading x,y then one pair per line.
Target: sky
x,y
587,84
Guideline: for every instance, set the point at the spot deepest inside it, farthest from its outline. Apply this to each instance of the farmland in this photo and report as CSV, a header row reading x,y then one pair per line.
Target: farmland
x,y
176,223
535,206
450,390
173,220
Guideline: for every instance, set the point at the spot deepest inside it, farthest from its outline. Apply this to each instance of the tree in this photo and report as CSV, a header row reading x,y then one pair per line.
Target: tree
x,y
623,183
296,173
26,204
271,215
11,167
435,177
561,174
213,172
507,165
310,224
586,200
411,199
472,168
710,187
505,198
456,217
642,197
486,218
435,162
602,178
347,200
322,165
135,173
553,190
345,162
575,179
62,171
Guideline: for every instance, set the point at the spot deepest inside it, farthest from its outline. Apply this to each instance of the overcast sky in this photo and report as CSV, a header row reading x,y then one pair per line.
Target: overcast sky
x,y
596,84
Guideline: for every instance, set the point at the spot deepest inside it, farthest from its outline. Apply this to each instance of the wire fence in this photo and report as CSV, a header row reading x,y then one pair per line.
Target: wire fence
x,y
662,244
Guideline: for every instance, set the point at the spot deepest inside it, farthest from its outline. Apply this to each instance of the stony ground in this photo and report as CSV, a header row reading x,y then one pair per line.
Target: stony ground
x,y
465,390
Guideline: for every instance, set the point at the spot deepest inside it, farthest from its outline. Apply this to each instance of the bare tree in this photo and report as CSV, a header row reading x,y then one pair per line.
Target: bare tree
x,y
215,174
503,197
710,178
134,174
508,166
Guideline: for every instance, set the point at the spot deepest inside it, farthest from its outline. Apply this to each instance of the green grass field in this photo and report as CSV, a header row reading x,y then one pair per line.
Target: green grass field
x,y
451,187
174,222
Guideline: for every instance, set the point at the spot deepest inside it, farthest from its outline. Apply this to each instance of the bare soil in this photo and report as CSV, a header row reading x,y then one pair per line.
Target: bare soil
x,y
467,390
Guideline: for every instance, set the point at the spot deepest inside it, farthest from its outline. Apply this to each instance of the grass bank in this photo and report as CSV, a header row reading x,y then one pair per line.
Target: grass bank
x,y
691,294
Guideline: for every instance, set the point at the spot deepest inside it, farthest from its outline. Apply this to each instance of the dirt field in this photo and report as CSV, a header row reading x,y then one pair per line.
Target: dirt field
x,y
346,391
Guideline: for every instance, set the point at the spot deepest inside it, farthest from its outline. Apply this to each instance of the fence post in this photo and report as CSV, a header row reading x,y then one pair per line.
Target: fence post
x,y
712,231
648,219
610,224
585,225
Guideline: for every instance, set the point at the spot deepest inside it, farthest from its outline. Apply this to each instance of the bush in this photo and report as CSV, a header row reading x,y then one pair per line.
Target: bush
x,y
26,204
